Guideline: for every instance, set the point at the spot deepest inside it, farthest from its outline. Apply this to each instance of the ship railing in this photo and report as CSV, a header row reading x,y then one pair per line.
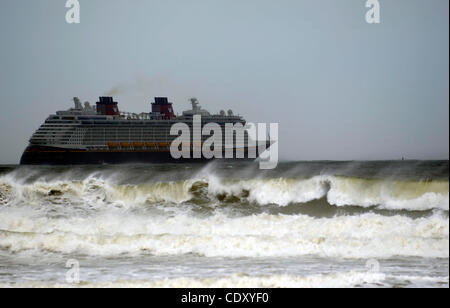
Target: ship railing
x,y
135,116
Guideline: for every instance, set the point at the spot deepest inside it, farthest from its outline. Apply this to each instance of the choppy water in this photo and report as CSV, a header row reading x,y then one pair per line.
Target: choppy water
x,y
305,224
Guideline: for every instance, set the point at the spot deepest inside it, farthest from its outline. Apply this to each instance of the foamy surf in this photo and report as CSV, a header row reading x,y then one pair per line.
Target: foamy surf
x,y
239,280
302,225
242,280
362,236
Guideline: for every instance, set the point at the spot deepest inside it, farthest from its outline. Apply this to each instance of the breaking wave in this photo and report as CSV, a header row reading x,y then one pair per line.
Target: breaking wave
x,y
203,213
339,191
263,235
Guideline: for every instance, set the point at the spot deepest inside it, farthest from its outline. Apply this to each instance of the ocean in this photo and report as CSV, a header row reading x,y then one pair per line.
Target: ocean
x,y
303,224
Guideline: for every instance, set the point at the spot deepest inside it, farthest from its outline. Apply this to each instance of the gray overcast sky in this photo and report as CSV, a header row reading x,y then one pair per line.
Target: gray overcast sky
x,y
339,87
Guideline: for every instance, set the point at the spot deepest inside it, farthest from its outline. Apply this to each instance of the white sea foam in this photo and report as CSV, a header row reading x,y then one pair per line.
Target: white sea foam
x,y
238,280
263,235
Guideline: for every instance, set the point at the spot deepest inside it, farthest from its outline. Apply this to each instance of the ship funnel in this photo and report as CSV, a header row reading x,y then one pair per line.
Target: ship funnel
x,y
107,106
163,107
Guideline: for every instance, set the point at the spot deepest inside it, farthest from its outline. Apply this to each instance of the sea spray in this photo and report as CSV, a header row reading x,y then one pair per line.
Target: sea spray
x,y
303,224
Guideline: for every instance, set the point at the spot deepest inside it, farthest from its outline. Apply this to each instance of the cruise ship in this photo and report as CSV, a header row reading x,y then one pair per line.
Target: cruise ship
x,y
104,135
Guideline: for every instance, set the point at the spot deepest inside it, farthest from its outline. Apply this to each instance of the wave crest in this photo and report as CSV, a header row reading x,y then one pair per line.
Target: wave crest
x,y
263,235
338,191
